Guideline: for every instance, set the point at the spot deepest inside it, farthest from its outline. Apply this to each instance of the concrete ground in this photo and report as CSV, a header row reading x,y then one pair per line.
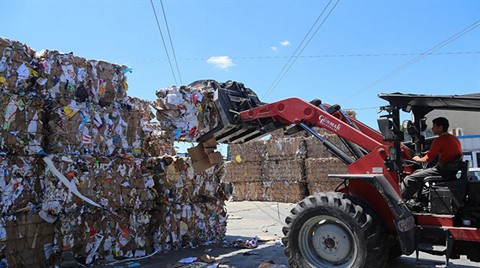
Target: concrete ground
x,y
265,221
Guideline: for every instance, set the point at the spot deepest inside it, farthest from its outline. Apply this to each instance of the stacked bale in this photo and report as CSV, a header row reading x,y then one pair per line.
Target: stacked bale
x,y
317,170
268,171
191,208
22,109
19,181
22,137
320,162
286,169
85,172
94,137
187,111
143,196
245,171
17,67
89,112
21,122
315,148
192,205
30,241
246,162
64,77
159,142
88,128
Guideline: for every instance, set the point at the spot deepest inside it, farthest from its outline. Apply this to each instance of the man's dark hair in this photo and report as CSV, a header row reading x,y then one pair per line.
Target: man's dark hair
x,y
441,121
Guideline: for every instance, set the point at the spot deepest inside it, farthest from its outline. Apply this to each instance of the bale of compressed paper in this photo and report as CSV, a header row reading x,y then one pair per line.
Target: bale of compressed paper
x,y
20,187
315,148
17,67
246,162
22,107
64,76
29,241
191,208
157,141
180,184
285,148
317,170
138,199
21,124
95,236
88,128
254,151
292,170
112,182
187,111
271,149
243,172
271,180
189,224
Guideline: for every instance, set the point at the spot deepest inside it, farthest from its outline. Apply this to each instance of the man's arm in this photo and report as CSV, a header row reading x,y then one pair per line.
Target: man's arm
x,y
431,154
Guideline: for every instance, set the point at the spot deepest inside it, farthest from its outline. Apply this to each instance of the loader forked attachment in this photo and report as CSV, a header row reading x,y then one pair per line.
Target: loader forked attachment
x,y
229,101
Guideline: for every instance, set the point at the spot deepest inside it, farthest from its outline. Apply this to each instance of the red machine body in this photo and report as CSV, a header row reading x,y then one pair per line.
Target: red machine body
x,y
368,210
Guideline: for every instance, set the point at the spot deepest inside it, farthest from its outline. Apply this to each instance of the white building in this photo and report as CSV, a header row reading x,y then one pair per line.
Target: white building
x,y
465,125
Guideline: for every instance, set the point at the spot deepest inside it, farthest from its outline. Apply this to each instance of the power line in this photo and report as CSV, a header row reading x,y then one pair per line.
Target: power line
x,y
294,57
171,42
339,55
309,56
163,41
270,89
415,60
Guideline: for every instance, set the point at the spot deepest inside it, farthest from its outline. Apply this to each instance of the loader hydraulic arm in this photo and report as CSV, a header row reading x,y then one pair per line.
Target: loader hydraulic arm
x,y
296,111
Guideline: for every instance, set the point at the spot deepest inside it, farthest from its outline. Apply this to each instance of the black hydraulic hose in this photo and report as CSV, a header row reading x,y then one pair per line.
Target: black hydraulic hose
x,y
330,146
352,147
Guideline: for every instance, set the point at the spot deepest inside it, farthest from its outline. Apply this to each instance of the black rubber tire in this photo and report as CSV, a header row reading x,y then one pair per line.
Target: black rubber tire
x,y
368,243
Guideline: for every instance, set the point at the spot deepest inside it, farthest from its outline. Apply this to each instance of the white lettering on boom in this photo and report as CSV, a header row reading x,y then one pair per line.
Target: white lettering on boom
x,y
329,124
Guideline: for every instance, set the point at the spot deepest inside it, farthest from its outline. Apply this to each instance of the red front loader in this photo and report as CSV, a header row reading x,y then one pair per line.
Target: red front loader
x,y
365,222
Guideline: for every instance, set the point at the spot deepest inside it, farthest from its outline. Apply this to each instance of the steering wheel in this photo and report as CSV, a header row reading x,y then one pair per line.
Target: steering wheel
x,y
410,161
424,165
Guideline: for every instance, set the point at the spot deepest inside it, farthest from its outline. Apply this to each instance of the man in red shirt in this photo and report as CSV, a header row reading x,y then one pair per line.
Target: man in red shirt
x,y
449,150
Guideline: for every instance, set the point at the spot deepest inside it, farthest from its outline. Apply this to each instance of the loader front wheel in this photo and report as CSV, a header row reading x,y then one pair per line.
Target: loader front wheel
x,y
333,230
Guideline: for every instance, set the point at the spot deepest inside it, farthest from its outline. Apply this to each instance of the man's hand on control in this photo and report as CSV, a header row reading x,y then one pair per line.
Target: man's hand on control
x,y
418,159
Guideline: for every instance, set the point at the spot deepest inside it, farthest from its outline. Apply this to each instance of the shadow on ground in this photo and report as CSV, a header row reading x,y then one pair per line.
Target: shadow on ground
x,y
225,254
228,256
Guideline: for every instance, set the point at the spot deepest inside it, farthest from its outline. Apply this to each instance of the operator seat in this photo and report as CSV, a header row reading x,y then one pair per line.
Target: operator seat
x,y
473,192
447,194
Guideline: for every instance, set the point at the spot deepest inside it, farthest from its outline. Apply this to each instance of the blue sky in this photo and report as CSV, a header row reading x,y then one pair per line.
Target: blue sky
x,y
353,56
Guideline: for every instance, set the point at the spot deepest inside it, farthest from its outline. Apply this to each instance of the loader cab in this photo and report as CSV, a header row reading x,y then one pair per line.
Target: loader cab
x,y
419,106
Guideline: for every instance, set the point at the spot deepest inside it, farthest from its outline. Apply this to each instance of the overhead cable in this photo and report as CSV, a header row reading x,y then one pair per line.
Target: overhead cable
x,y
314,56
300,49
164,45
338,55
171,42
415,60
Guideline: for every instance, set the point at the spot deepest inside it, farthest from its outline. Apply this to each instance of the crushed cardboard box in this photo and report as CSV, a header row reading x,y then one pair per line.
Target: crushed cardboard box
x,y
204,155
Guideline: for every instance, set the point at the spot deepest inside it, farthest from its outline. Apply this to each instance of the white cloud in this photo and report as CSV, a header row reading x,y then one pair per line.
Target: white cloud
x,y
274,48
222,62
285,43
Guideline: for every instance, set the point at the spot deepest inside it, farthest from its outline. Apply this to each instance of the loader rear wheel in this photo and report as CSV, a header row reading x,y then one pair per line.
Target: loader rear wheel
x,y
333,230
